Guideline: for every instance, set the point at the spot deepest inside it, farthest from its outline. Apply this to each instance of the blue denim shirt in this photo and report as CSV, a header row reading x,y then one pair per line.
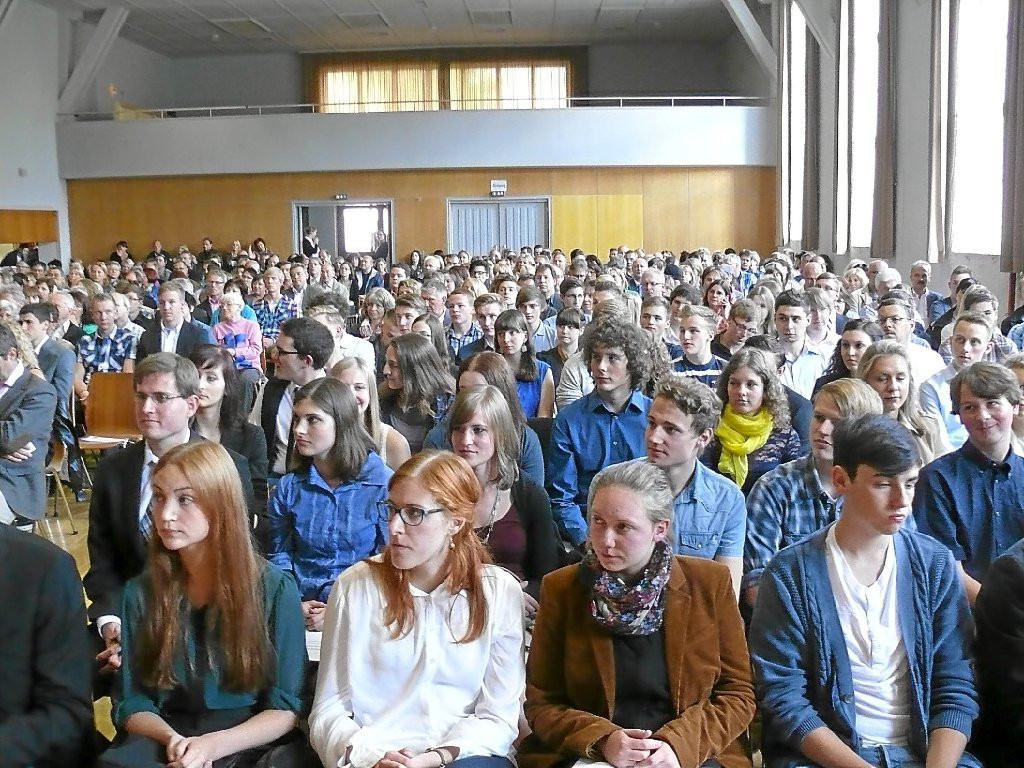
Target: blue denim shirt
x,y
708,516
973,505
585,438
802,667
316,531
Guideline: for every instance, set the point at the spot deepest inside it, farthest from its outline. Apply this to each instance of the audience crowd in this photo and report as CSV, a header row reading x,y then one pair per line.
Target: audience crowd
x,y
526,507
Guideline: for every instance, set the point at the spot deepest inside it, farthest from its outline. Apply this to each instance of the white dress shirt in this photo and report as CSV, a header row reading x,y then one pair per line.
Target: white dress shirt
x,y
869,616
377,693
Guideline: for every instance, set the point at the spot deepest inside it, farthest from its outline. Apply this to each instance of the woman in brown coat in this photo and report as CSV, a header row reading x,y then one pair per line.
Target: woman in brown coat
x,y
638,656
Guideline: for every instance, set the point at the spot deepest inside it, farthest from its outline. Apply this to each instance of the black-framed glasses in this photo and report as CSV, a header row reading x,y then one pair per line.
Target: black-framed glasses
x,y
159,398
410,514
279,351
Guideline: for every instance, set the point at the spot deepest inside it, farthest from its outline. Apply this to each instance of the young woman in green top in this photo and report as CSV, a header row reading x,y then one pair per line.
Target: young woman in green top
x,y
212,634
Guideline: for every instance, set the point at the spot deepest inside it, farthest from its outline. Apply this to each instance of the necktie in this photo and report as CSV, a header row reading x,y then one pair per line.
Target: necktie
x,y
145,520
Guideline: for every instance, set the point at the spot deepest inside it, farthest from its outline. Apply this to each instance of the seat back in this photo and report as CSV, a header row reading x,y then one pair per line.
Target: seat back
x,y
110,407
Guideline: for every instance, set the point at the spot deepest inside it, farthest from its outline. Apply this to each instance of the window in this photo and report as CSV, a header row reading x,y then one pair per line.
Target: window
x,y
539,85
979,63
797,100
453,79
862,117
384,87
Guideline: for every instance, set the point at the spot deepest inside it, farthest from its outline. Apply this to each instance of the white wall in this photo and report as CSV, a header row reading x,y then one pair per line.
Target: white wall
x,y
139,75
653,136
29,61
246,80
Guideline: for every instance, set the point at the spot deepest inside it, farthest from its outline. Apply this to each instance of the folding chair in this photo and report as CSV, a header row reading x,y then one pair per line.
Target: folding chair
x,y
109,413
52,471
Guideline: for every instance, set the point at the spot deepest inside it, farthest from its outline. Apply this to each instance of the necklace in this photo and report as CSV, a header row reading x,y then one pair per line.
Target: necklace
x,y
485,535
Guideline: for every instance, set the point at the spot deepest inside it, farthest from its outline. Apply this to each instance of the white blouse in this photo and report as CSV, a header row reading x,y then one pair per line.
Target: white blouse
x,y
375,693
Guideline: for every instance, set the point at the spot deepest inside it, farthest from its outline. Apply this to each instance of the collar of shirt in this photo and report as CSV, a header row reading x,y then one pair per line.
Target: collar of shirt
x,y
696,486
38,347
19,371
176,329
970,452
634,403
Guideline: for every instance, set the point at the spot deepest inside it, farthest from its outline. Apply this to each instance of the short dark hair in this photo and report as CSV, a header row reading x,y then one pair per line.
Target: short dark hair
x,y
568,284
530,293
875,441
311,338
43,312
791,299
569,316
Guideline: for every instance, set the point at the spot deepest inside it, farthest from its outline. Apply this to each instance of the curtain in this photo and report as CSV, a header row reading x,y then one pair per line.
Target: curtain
x,y
810,240
883,219
1012,249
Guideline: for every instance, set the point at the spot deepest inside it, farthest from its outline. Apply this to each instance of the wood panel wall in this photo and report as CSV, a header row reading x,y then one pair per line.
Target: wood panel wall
x,y
27,226
592,208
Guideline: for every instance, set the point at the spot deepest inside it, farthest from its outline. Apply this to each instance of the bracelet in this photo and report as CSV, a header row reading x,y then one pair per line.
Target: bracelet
x,y
445,759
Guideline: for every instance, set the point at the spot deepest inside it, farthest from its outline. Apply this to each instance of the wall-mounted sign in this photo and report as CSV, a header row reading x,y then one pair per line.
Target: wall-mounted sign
x,y
499,187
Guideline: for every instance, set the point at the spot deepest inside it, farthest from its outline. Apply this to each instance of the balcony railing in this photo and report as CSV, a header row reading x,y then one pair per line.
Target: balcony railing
x,y
132,112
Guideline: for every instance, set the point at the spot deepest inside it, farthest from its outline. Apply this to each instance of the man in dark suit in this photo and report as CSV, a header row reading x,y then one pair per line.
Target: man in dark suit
x,y
166,399
175,333
27,405
57,361
46,717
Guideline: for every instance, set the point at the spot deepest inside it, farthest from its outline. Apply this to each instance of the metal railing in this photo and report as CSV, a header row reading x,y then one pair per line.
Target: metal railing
x,y
141,113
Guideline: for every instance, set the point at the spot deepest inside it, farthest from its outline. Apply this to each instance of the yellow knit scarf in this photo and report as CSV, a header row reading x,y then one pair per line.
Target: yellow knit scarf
x,y
740,436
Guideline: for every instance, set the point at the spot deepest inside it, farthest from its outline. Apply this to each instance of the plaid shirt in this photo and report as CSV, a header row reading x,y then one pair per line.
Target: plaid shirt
x,y
786,505
270,319
106,354
456,343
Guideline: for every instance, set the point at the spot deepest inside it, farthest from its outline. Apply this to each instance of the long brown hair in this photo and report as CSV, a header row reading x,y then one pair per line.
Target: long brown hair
x,y
236,607
450,480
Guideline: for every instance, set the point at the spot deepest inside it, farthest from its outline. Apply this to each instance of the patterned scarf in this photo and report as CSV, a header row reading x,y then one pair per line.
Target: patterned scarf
x,y
740,436
623,609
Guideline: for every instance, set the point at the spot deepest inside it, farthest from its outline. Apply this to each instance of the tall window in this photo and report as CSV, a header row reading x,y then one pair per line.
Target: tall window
x,y
977,131
862,117
797,99
440,80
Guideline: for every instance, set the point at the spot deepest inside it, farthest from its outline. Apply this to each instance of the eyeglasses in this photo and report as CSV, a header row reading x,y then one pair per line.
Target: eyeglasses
x,y
159,398
279,351
884,321
411,515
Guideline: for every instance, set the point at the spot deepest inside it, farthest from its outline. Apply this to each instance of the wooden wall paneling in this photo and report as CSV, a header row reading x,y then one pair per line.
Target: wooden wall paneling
x,y
27,226
592,207
666,209
574,222
620,219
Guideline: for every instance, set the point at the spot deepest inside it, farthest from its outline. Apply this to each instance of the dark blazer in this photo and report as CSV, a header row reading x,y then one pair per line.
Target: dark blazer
x,y
26,410
46,717
57,362
190,337
74,334
570,674
117,551
247,440
999,662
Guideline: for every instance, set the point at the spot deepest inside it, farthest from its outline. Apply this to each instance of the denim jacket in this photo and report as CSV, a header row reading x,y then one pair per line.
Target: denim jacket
x,y
801,666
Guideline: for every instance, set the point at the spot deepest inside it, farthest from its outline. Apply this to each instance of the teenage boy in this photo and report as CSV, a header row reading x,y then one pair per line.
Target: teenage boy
x,y
603,427
970,341
797,498
462,331
696,330
804,364
709,519
486,307
530,301
568,328
861,632
741,326
970,499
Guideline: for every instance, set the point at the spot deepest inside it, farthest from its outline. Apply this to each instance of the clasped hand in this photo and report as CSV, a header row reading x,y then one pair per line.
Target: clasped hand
x,y
407,758
634,748
192,751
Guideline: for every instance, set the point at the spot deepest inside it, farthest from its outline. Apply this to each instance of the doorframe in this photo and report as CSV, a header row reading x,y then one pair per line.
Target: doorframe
x,y
322,202
450,247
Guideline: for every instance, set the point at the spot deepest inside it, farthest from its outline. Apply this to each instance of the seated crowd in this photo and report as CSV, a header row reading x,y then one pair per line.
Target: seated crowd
x,y
522,508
